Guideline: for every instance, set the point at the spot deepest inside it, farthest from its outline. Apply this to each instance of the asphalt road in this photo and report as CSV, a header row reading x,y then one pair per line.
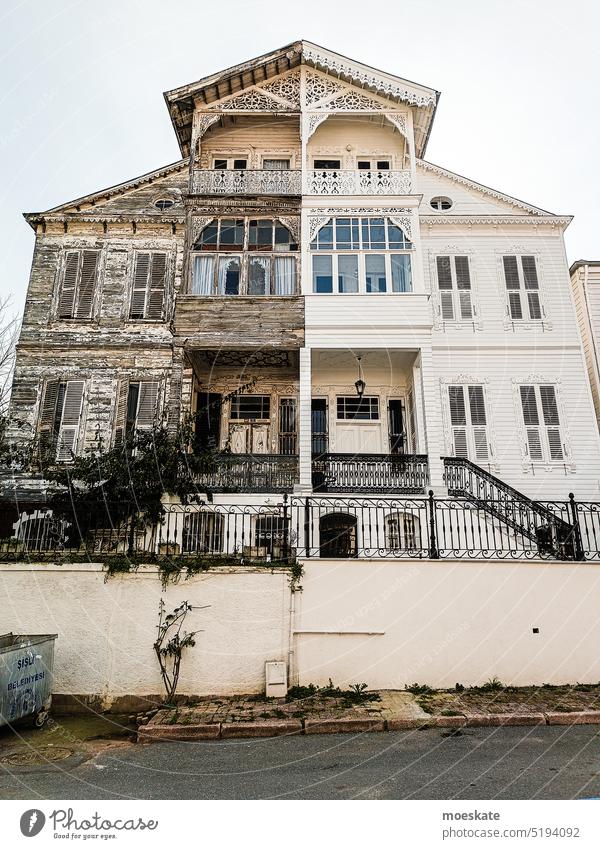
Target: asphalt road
x,y
502,763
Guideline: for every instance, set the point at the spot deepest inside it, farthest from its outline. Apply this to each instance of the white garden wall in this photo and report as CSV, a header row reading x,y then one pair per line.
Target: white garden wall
x,y
106,629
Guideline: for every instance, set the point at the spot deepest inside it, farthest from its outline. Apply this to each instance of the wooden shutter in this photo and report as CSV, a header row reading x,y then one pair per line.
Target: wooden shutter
x,y
458,420
463,283
479,423
157,286
66,301
531,420
71,416
551,420
147,405
87,284
444,275
48,413
121,412
513,285
140,286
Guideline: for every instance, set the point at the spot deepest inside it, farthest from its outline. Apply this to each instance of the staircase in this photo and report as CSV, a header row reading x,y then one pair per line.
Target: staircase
x,y
529,518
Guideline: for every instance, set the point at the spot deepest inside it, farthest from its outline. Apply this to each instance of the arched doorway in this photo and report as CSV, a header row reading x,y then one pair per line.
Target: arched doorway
x,y
337,533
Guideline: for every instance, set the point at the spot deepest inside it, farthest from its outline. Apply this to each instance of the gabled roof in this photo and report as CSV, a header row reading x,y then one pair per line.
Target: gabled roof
x,y
106,194
180,101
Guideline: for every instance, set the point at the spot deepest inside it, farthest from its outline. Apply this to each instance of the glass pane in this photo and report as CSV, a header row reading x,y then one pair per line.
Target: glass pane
x,y
322,274
209,235
240,164
259,275
364,165
396,237
283,238
327,164
342,236
220,164
401,273
276,164
285,275
232,233
377,228
383,165
202,278
348,273
229,275
325,237
375,273
260,234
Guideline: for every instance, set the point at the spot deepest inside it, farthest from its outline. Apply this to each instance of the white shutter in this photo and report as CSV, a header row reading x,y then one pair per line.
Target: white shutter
x,y
479,423
447,305
461,448
531,420
444,276
534,444
70,419
466,307
551,420
458,420
66,301
140,286
147,405
87,284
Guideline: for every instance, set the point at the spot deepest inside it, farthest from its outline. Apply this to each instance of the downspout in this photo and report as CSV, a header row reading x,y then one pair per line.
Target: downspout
x,y
292,672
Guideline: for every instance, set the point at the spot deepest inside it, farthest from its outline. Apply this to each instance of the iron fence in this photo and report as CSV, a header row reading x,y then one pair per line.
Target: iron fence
x,y
323,526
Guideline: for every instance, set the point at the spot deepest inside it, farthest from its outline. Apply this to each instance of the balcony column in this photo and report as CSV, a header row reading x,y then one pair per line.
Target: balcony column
x,y
305,421
428,413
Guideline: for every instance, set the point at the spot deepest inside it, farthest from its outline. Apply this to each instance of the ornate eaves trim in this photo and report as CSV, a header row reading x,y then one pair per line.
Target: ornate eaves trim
x,y
485,190
555,220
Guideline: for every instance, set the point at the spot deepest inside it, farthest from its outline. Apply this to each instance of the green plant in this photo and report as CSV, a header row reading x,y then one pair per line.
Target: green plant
x,y
459,688
451,712
492,685
419,689
297,693
171,643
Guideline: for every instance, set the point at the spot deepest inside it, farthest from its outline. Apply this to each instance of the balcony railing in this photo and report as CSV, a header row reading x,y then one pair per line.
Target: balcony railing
x,y
249,473
385,473
359,182
247,182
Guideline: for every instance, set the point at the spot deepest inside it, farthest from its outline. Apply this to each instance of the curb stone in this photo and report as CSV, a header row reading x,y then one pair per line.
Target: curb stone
x,y
490,720
583,717
157,733
400,724
342,726
260,729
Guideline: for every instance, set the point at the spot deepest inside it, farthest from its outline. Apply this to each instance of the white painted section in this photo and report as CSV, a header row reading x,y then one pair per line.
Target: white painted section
x,y
391,623
106,629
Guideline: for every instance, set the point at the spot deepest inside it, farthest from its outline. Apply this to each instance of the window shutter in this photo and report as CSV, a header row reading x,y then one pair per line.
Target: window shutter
x,y
535,308
479,422
147,406
66,301
514,303
140,286
444,272
49,405
71,415
157,285
447,305
551,420
458,420
463,277
466,307
529,272
511,272
121,412
534,444
87,283
531,420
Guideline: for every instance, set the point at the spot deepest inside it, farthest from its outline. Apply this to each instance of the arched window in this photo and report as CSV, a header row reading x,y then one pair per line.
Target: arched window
x,y
361,255
403,532
244,256
337,534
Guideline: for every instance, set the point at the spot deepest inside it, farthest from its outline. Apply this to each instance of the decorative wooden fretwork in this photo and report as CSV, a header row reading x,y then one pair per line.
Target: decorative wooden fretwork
x,y
287,88
204,122
340,182
319,87
293,225
353,101
236,182
253,100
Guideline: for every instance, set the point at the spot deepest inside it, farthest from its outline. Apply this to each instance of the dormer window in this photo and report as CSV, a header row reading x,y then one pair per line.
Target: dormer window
x,y
244,256
229,164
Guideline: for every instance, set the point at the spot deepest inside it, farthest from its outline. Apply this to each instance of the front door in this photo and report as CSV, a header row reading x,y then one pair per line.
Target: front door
x,y
249,438
357,438
337,532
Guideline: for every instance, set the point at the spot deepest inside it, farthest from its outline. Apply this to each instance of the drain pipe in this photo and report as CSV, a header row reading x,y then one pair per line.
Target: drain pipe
x,y
292,672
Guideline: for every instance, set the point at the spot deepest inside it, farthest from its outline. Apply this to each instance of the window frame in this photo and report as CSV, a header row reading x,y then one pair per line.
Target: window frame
x,y
470,428
455,290
56,428
166,289
374,406
231,159
60,281
522,289
542,427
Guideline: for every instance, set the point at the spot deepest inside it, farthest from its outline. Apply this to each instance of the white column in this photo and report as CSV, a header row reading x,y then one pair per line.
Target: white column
x,y
304,421
429,418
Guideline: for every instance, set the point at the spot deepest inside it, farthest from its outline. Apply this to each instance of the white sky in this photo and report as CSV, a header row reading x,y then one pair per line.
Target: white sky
x,y
82,108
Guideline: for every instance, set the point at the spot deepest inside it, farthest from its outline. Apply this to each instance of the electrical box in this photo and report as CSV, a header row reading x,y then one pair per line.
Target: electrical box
x,y
275,679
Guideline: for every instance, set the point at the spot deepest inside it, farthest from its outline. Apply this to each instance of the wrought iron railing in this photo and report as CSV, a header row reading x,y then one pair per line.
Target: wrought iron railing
x,y
248,473
384,473
340,182
318,526
249,182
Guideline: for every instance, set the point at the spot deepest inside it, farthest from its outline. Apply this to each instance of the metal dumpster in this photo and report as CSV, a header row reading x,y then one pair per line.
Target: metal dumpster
x,y
26,664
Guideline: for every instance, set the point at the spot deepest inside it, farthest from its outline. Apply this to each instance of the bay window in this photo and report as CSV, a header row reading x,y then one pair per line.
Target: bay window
x,y
363,255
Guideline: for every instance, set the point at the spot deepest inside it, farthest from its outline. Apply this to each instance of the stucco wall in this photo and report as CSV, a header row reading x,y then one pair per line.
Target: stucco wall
x,y
444,622
106,629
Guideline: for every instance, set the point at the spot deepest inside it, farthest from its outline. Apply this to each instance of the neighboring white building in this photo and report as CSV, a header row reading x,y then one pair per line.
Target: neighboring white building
x,y
585,284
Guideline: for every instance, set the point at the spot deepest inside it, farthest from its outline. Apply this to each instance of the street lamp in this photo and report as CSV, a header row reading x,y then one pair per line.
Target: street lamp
x,y
360,384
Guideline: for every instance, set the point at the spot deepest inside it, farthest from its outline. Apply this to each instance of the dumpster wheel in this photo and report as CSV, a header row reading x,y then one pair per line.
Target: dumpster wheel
x,y
41,718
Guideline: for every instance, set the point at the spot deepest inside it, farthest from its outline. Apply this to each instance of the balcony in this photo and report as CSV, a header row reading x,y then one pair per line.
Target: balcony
x,y
247,182
249,473
331,182
375,473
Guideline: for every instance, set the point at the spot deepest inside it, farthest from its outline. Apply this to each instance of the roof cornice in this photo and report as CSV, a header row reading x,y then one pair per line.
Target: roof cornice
x,y
535,220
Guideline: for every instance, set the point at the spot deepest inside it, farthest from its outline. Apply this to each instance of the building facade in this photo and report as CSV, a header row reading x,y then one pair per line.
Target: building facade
x,y
347,318
585,285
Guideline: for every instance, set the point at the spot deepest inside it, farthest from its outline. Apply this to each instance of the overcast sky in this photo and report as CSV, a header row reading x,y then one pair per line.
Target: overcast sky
x,y
82,106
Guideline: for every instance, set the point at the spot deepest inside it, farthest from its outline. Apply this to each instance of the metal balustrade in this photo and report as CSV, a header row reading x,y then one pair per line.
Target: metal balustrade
x,y
248,473
378,473
317,526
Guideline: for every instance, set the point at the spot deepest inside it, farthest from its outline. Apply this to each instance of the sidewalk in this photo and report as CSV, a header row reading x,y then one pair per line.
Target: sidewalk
x,y
330,711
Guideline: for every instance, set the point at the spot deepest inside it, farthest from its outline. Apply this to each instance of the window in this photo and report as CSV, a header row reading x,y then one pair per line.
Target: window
x,y
244,257
384,270
276,164
544,441
229,163
403,531
202,533
440,204
137,408
522,286
355,408
320,440
287,426
454,284
373,164
327,164
164,203
60,417
78,284
468,421
250,407
148,291
271,535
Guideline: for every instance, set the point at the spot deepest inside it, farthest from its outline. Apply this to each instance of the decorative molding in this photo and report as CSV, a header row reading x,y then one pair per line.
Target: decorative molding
x,y
314,121
287,88
204,121
399,121
319,87
404,222
555,220
361,210
198,225
315,222
353,101
364,77
252,100
293,225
